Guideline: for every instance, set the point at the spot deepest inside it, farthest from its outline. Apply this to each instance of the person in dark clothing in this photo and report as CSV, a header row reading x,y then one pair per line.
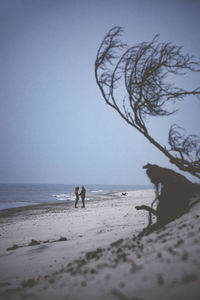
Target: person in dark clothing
x,y
82,194
77,195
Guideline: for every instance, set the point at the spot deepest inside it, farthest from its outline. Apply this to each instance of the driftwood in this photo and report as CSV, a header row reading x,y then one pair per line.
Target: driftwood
x,y
172,195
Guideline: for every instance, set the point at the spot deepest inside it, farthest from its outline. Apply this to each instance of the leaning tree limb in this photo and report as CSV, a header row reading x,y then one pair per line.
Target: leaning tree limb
x,y
133,81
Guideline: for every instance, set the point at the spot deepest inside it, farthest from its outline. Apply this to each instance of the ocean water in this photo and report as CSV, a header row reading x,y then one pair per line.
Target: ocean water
x,y
16,195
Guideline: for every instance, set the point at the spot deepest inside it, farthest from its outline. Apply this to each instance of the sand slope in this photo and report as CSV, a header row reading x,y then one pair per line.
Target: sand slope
x,y
102,257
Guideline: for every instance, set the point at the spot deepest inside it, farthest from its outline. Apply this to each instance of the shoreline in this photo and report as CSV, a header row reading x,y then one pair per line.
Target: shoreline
x,y
19,195
96,253
107,195
68,204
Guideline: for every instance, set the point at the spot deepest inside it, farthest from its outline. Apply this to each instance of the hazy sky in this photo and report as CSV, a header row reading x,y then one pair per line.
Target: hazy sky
x,y
54,124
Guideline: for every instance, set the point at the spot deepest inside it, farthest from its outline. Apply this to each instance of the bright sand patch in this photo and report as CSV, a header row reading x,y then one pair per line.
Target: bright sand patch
x,y
90,264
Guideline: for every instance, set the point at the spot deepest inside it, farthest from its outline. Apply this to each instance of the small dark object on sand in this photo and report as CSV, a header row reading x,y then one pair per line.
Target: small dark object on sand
x,y
62,239
13,247
34,243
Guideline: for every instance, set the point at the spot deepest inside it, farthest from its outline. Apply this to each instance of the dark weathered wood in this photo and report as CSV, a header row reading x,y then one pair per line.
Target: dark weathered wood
x,y
173,198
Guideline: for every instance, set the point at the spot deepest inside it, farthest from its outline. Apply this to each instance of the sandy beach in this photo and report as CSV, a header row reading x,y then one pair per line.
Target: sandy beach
x,y
53,251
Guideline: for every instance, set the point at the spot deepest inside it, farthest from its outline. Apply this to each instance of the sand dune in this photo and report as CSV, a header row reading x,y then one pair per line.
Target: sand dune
x,y
95,253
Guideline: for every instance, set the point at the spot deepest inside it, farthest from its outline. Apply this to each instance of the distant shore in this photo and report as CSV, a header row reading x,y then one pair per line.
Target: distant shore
x,y
53,250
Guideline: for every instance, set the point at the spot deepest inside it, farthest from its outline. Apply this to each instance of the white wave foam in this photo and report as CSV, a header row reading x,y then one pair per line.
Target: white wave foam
x,y
64,197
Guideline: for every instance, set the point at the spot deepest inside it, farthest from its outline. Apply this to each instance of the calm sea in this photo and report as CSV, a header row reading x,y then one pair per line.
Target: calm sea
x,y
15,195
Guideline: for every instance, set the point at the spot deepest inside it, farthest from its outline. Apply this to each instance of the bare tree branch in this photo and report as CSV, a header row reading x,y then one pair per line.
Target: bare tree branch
x,y
133,81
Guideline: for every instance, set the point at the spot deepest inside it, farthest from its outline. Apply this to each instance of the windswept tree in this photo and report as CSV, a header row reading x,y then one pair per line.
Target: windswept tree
x,y
133,81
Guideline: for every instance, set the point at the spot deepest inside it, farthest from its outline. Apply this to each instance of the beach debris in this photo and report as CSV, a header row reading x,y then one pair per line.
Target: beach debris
x,y
94,254
13,247
61,239
29,283
121,296
36,243
117,243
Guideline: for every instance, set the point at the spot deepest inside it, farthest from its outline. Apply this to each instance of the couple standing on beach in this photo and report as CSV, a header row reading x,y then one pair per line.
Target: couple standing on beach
x,y
82,194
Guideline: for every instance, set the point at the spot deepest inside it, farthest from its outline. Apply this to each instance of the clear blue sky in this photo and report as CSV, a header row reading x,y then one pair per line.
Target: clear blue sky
x,y
54,124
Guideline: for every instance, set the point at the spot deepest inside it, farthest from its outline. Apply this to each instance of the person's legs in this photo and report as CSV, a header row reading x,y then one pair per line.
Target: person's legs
x,y
83,201
76,201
